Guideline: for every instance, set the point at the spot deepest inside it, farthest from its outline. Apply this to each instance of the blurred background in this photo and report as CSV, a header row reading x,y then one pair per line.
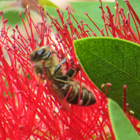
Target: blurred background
x,y
12,8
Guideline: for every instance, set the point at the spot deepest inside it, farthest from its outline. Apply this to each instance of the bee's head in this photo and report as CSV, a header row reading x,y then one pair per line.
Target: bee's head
x,y
39,54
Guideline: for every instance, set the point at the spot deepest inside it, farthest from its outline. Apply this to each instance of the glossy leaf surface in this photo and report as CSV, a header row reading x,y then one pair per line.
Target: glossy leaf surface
x,y
122,127
115,61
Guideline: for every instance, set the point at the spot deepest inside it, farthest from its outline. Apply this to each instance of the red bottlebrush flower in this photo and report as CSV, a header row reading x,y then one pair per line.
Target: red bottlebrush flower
x,y
28,109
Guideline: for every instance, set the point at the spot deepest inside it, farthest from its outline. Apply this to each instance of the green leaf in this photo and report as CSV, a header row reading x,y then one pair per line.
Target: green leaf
x,y
122,127
91,8
115,61
47,3
13,16
28,76
53,12
134,3
10,12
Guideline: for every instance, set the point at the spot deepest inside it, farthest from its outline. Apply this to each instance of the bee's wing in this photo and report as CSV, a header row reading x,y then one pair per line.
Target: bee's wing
x,y
58,93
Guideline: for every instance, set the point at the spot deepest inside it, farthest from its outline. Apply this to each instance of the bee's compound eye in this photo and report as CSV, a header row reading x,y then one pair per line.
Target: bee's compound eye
x,y
41,52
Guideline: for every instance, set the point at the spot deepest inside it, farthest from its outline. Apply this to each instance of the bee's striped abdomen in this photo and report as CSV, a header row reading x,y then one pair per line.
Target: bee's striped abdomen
x,y
73,89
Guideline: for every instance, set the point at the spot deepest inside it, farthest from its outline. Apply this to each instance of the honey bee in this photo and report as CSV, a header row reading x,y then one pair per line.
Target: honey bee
x,y
62,84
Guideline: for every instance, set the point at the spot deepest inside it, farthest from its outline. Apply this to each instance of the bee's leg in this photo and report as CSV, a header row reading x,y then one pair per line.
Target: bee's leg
x,y
70,72
47,73
60,78
76,67
59,65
